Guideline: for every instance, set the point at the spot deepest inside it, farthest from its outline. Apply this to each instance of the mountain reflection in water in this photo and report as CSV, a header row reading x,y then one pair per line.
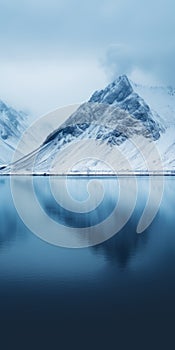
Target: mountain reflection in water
x,y
128,276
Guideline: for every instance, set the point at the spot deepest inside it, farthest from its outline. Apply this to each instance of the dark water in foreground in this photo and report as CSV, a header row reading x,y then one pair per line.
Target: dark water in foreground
x,y
123,285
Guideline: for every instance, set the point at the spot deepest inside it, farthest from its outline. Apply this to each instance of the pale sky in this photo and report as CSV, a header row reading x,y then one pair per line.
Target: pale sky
x,y
57,52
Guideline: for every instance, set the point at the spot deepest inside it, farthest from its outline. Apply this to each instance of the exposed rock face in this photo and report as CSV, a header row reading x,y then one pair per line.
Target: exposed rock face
x,y
121,93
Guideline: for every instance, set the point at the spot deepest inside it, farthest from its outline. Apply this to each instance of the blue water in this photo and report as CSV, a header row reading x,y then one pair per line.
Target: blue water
x,y
127,281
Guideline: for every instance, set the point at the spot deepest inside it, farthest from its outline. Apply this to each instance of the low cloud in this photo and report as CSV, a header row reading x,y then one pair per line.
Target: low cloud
x,y
155,62
129,37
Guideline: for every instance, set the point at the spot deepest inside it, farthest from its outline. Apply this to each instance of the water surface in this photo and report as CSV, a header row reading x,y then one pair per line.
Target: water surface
x,y
128,279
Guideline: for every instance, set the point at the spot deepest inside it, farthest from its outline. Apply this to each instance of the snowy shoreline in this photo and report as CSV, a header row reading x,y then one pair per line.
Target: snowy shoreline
x,y
99,174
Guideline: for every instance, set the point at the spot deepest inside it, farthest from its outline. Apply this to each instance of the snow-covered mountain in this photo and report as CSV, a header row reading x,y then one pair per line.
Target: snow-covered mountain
x,y
12,126
161,99
120,124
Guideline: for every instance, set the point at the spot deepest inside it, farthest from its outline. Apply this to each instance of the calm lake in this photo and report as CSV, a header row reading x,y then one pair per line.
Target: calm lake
x,y
128,279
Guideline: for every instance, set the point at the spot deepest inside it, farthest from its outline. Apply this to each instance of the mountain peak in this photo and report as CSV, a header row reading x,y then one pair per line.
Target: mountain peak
x,y
122,78
121,93
115,92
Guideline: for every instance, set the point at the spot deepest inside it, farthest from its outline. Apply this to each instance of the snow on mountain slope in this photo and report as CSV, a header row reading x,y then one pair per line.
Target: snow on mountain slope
x,y
12,125
162,102
100,132
111,115
6,152
121,93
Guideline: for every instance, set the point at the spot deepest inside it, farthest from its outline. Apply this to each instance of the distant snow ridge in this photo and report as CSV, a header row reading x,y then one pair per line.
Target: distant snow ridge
x,y
162,102
12,125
